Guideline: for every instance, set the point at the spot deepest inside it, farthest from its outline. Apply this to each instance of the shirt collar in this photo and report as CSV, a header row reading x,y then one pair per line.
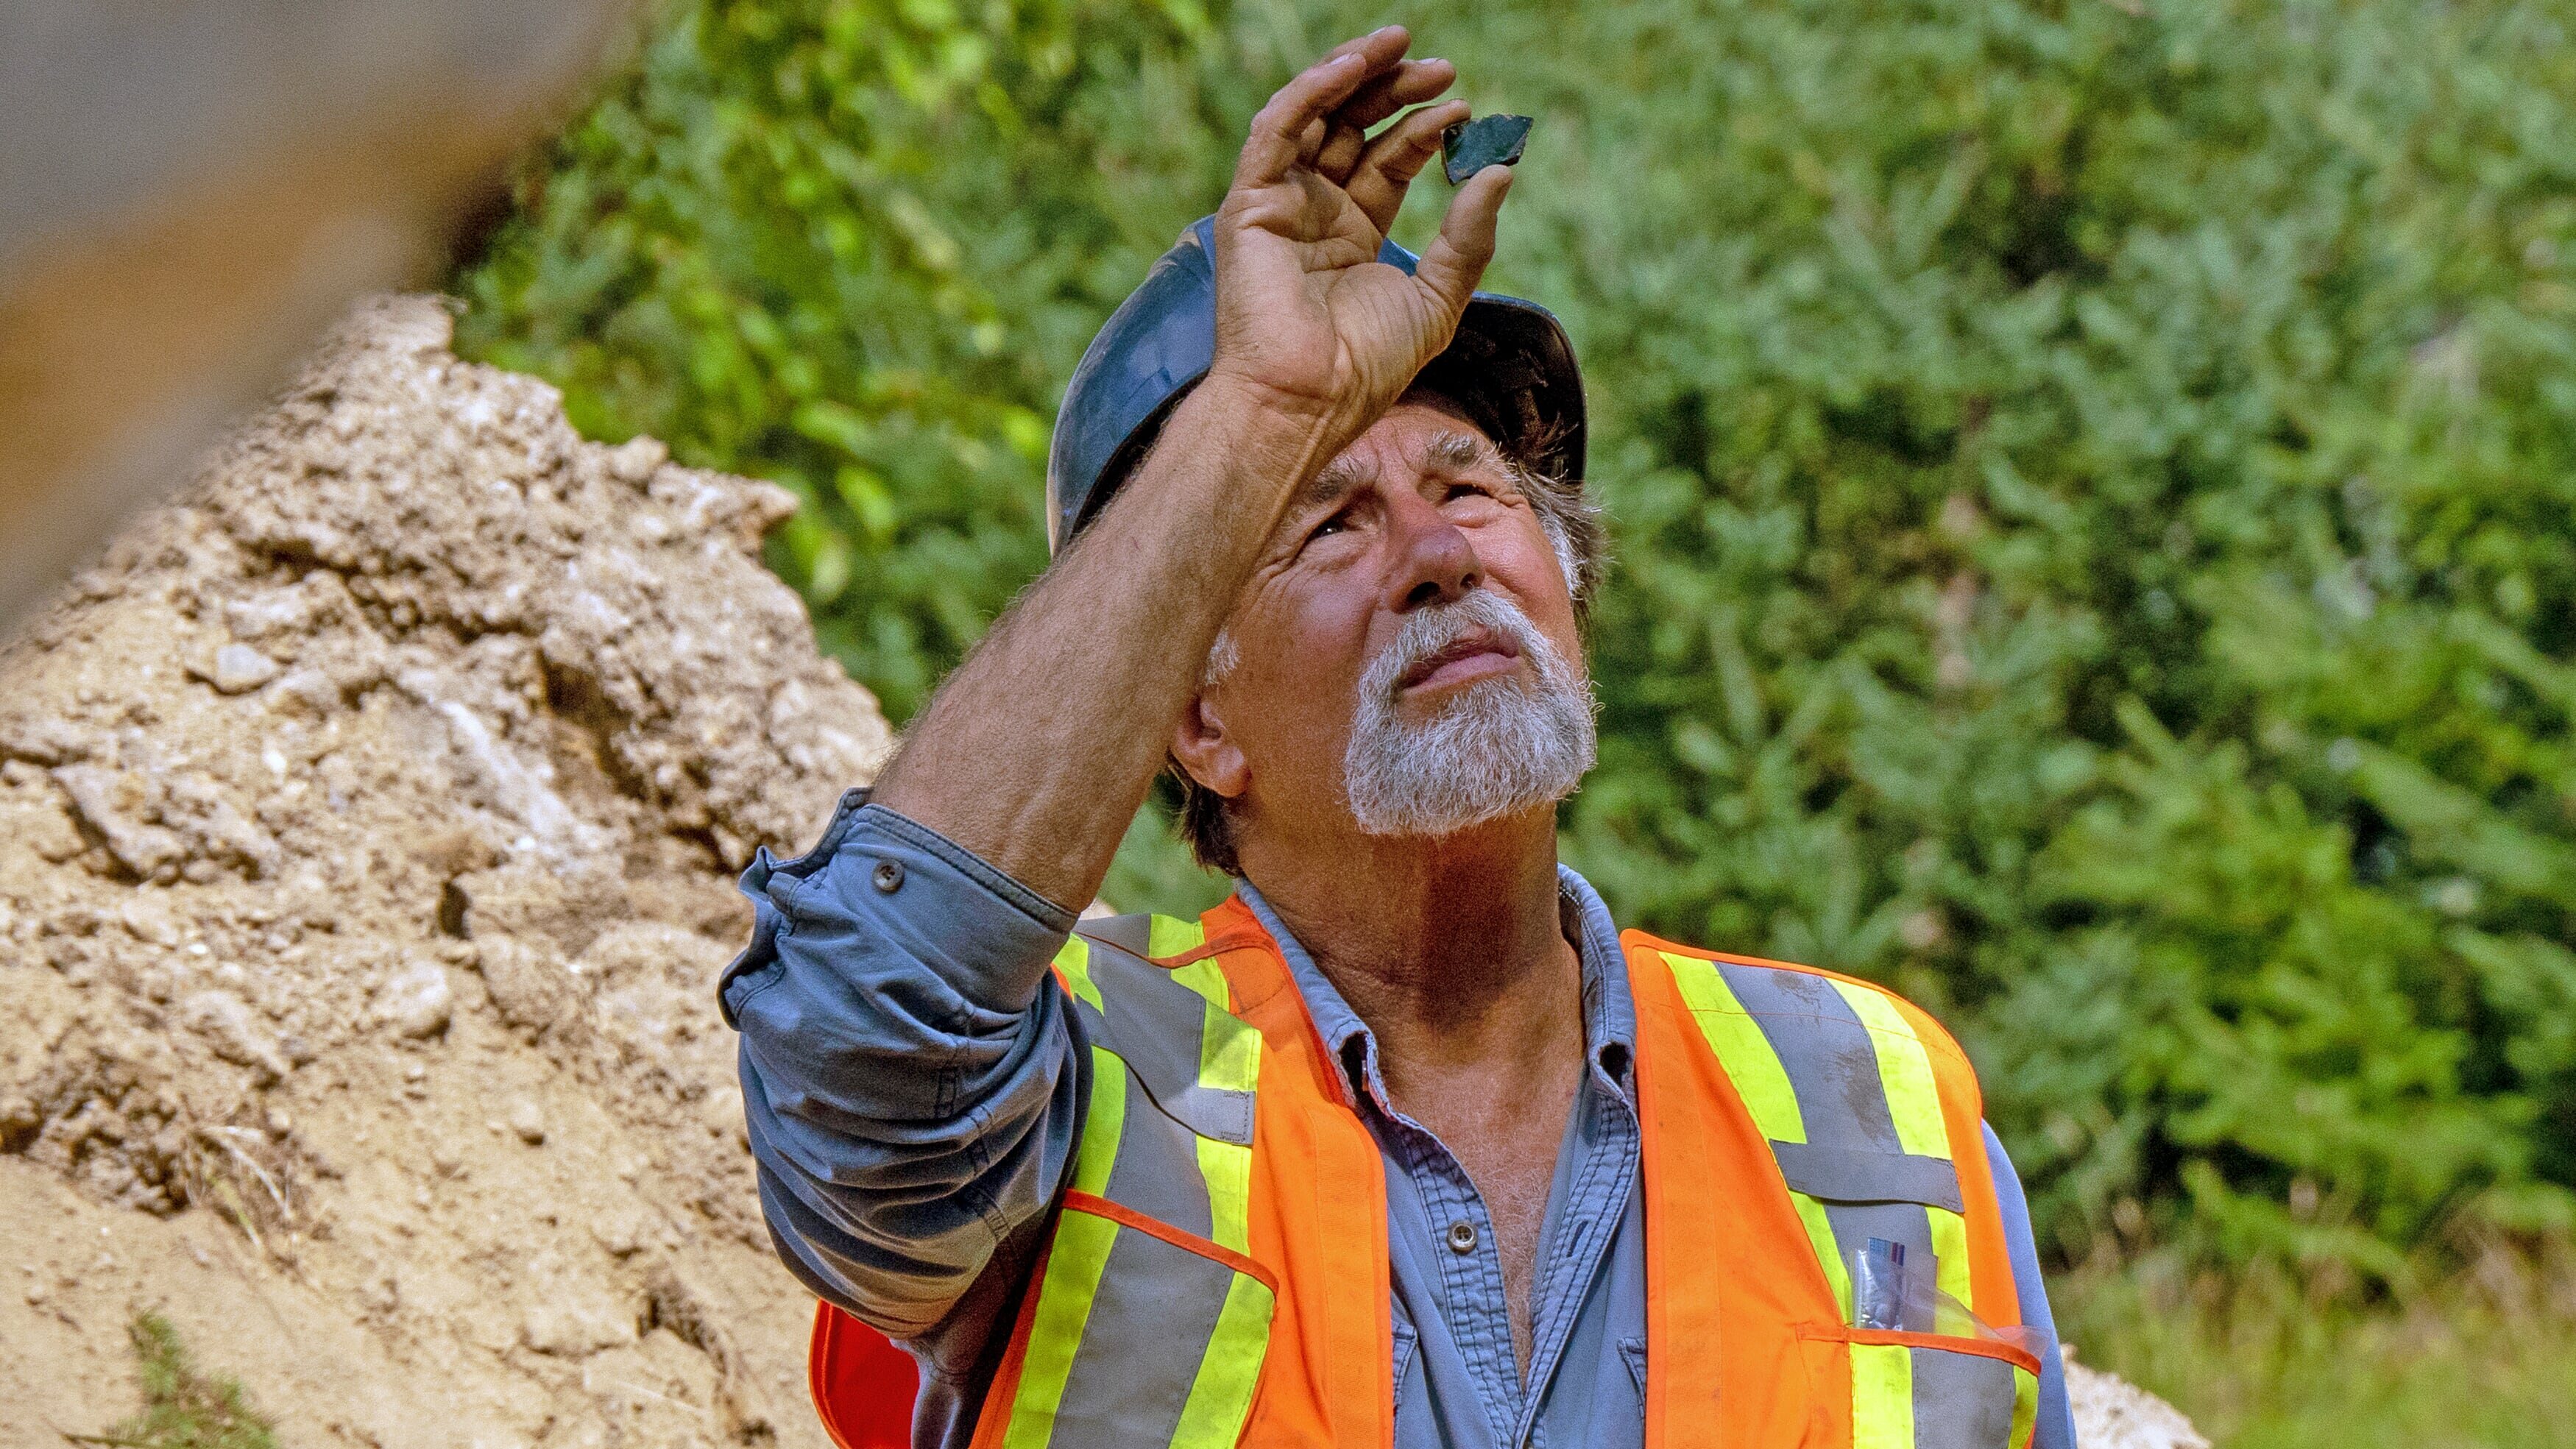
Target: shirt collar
x,y
1609,1012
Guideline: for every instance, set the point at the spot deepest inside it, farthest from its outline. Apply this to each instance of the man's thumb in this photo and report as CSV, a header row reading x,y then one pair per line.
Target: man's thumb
x,y
1455,261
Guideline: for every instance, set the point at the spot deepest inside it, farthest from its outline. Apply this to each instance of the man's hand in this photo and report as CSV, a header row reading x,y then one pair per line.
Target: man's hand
x,y
1036,751
1308,319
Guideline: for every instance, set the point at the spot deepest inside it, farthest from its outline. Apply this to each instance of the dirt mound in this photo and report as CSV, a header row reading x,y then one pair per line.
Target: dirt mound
x,y
367,826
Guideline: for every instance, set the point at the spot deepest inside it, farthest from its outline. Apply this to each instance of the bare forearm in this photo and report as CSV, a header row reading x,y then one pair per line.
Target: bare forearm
x,y
1036,752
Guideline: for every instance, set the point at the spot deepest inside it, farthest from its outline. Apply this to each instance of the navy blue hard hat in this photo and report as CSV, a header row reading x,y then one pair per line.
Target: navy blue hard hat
x,y
1510,366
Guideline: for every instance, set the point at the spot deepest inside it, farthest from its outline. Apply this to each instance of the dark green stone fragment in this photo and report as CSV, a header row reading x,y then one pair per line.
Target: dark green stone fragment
x,y
1471,146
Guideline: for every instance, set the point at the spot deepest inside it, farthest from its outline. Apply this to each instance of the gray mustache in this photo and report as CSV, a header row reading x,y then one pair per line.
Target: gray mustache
x,y
1429,630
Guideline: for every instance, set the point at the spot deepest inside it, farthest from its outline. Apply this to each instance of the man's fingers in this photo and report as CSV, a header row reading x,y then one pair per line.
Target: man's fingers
x,y
1410,84
1272,147
1379,179
1343,146
1455,261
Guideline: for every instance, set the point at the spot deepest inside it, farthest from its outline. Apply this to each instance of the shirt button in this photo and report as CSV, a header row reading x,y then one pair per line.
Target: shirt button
x,y
1462,1237
888,876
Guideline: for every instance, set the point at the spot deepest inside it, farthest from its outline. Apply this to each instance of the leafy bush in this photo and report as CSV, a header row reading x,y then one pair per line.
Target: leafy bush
x,y
2092,487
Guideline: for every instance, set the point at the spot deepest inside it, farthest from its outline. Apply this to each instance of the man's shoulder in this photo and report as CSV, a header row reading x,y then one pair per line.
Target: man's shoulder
x,y
1760,986
1637,942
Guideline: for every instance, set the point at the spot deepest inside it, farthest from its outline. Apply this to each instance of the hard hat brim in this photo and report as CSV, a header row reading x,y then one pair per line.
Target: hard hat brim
x,y
1510,365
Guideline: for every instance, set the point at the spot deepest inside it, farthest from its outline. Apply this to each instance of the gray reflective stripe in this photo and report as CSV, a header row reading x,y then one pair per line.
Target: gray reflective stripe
x,y
1157,1173
1128,933
1961,1401
1837,1172
1154,1315
1831,1061
1157,1025
1156,1169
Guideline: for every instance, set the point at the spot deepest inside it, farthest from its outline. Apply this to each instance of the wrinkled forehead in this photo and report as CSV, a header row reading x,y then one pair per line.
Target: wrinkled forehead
x,y
1453,442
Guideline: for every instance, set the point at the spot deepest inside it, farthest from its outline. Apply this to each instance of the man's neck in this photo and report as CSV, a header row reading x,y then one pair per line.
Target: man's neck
x,y
1452,950
1455,954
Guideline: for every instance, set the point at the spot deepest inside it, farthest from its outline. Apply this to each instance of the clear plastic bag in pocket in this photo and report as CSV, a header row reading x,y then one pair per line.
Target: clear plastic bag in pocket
x,y
1895,1293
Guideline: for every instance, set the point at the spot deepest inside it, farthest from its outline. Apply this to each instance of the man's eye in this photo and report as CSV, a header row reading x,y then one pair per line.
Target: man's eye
x,y
1466,490
1332,525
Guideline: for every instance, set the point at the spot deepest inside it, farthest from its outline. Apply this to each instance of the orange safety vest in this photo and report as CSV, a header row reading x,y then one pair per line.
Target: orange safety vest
x,y
1217,1271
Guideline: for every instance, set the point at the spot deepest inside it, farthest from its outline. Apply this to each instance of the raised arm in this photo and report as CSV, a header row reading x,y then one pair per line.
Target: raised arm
x,y
912,1086
1038,749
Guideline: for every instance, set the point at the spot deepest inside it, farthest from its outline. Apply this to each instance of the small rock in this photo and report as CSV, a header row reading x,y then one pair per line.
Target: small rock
x,y
96,793
636,459
1492,140
44,739
417,1002
237,669
528,1122
619,1233
225,1021
575,1330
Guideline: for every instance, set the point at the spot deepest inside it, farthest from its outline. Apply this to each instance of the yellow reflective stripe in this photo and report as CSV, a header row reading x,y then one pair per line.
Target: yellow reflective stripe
x,y
1829,1253
1229,1049
1074,1264
1075,962
1904,1069
1228,1170
1170,935
1220,1398
1742,1051
1950,1265
1882,1396
1229,1052
1102,1121
1205,978
2025,1406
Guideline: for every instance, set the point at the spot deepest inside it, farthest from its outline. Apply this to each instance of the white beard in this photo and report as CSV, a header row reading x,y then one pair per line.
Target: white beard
x,y
1501,746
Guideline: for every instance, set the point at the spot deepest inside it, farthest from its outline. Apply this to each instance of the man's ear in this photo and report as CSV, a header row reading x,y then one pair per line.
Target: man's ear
x,y
1204,749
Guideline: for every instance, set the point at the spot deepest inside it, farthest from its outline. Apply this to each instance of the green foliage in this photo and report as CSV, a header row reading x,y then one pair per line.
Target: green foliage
x,y
182,1408
2091,486
2259,1361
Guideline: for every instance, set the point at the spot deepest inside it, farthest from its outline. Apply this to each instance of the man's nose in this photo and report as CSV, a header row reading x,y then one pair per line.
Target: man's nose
x,y
1434,563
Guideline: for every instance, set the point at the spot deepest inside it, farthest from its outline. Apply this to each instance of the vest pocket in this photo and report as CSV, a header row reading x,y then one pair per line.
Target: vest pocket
x,y
1932,1391
1115,1279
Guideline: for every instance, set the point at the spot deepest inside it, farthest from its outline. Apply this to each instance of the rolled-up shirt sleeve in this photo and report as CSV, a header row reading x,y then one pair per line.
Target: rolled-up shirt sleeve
x,y
2056,1426
910,1074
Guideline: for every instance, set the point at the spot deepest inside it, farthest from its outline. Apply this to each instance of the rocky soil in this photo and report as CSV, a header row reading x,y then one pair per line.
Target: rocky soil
x,y
367,825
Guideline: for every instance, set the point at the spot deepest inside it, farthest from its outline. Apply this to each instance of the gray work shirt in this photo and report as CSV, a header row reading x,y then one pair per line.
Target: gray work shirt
x,y
908,1076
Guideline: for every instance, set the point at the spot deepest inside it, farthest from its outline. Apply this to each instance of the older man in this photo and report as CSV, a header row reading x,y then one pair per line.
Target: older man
x,y
1404,1143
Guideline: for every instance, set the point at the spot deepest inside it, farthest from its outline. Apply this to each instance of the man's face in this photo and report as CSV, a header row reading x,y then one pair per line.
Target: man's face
x,y
1405,657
